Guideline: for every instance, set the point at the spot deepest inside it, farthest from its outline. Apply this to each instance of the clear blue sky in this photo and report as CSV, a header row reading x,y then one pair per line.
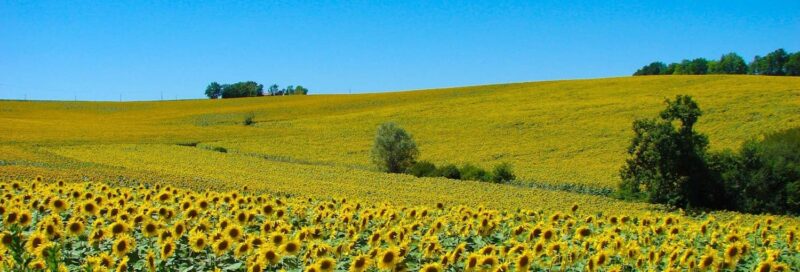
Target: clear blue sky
x,y
99,50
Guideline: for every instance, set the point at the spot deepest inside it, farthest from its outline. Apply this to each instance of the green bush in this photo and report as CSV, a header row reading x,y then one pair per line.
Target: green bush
x,y
471,172
764,176
502,173
248,119
448,171
422,169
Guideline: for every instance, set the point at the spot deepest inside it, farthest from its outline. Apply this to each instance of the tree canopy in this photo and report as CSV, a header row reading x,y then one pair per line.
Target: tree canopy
x,y
250,89
776,63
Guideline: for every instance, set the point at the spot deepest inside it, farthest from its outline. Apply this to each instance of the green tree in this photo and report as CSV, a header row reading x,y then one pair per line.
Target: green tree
x,y
764,176
273,89
394,150
300,90
242,89
214,90
772,64
666,162
792,66
731,63
654,68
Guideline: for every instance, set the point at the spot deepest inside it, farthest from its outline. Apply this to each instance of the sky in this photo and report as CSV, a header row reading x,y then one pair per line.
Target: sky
x,y
149,50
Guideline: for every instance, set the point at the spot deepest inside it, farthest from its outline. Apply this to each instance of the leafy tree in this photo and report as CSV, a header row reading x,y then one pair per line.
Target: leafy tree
x,y
666,163
764,176
792,66
289,90
242,89
394,150
731,63
772,64
273,89
502,173
214,90
300,90
655,68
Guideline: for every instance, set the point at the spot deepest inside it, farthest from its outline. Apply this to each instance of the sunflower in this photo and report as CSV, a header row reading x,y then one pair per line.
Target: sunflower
x,y
222,246
89,208
234,232
117,228
75,226
489,262
6,238
389,258
291,247
360,263
123,245
38,264
167,249
150,261
601,258
97,236
25,218
432,267
255,264
123,265
583,232
59,205
12,217
326,264
197,241
277,239
524,261
35,241
150,228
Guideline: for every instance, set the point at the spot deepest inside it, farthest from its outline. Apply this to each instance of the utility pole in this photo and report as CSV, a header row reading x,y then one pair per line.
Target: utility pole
x,y
162,95
120,97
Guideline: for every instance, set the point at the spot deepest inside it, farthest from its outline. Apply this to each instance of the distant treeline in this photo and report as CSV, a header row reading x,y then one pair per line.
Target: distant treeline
x,y
249,89
776,63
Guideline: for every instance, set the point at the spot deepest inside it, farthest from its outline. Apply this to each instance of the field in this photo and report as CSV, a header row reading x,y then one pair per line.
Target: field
x,y
308,157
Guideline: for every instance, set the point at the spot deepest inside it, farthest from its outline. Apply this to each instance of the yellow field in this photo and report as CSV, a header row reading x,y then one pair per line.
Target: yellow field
x,y
313,151
552,132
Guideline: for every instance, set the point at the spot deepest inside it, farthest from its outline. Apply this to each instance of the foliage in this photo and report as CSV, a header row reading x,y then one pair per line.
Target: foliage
x,y
503,173
448,171
214,90
472,172
249,119
242,89
250,89
423,169
764,176
394,150
776,63
667,163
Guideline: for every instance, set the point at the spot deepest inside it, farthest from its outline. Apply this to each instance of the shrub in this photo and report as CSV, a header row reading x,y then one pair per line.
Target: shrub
x,y
394,150
422,169
219,149
248,119
471,172
502,173
764,176
448,171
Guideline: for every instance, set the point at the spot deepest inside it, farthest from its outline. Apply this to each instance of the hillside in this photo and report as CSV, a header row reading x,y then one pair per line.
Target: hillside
x,y
554,132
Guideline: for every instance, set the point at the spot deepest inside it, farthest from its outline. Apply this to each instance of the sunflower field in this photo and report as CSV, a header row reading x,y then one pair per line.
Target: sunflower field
x,y
91,226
